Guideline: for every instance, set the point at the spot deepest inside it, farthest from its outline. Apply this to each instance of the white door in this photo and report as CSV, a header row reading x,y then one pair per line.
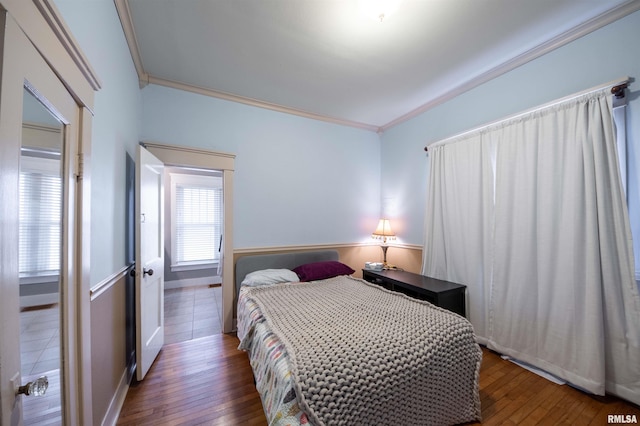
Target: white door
x,y
149,260
26,76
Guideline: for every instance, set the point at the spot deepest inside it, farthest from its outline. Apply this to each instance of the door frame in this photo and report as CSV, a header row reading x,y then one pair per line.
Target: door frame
x,y
181,156
43,25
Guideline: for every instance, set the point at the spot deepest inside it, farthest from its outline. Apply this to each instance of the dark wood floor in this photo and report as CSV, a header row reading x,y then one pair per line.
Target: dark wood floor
x,y
208,381
201,381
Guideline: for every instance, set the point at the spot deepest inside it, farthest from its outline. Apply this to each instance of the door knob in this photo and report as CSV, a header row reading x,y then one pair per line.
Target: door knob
x,y
145,272
36,388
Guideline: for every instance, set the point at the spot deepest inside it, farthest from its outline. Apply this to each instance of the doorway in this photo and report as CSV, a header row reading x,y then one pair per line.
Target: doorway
x,y
188,157
193,234
152,159
149,220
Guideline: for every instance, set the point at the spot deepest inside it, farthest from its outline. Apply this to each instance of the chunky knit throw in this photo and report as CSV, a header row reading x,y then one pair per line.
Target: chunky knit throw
x,y
362,355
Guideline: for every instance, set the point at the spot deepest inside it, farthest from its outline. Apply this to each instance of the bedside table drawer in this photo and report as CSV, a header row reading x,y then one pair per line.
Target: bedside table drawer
x,y
421,296
382,283
374,280
441,293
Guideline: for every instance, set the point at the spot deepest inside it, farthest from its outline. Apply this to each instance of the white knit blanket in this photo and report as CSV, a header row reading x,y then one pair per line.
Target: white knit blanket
x,y
364,355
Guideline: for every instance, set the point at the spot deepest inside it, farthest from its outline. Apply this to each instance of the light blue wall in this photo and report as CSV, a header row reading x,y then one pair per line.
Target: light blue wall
x,y
300,181
296,182
602,56
96,27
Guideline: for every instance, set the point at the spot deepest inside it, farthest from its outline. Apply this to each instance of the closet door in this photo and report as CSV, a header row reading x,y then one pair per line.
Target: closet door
x,y
30,91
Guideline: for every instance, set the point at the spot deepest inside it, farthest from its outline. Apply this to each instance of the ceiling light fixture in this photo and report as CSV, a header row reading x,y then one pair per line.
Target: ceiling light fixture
x,y
378,9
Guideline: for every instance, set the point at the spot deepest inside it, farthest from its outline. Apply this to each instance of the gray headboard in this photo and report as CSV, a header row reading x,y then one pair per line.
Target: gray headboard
x,y
247,264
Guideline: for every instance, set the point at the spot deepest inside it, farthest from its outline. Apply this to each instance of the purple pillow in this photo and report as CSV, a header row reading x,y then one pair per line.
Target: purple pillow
x,y
322,270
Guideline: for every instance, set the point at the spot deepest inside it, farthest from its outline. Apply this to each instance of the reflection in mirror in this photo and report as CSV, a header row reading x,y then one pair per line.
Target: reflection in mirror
x,y
40,244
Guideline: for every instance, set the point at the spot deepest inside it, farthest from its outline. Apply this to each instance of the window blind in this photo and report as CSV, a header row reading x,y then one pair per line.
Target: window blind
x,y
197,221
40,216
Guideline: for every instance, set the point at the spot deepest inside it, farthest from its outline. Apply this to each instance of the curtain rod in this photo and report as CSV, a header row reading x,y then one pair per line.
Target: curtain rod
x,y
617,89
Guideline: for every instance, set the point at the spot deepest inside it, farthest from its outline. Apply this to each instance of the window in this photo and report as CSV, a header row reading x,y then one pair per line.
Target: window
x,y
196,221
40,214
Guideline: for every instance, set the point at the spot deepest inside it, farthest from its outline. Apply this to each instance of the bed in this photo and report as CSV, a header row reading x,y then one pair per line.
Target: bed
x,y
339,350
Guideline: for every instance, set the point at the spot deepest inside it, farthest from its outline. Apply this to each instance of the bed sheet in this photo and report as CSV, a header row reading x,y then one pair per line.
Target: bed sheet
x,y
270,365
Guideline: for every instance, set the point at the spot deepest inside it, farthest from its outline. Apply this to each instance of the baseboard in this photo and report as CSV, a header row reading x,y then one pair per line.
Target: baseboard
x,y
39,300
191,282
113,412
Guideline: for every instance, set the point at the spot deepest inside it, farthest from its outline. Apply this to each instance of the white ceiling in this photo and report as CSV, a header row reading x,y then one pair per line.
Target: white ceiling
x,y
320,58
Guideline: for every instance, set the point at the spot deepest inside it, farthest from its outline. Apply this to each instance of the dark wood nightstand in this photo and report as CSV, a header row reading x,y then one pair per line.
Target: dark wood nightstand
x,y
441,293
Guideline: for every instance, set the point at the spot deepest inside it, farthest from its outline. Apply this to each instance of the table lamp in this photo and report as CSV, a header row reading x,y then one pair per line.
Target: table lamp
x,y
383,232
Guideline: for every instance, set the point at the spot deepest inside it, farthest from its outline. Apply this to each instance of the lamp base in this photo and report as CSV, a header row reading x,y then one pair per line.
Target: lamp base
x,y
384,255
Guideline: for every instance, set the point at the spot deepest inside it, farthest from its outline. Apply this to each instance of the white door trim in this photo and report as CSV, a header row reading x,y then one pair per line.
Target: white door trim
x,y
41,22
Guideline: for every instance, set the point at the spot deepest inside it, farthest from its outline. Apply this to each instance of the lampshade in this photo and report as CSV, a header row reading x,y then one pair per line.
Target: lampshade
x,y
383,231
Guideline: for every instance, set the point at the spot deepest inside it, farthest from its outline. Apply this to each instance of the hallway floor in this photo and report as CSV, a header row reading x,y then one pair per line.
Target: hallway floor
x,y
40,356
192,312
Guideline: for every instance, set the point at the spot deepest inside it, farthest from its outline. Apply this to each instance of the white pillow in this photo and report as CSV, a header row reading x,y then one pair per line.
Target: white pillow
x,y
269,277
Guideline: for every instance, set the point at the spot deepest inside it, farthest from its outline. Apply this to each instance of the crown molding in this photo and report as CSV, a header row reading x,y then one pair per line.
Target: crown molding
x,y
257,103
124,13
567,37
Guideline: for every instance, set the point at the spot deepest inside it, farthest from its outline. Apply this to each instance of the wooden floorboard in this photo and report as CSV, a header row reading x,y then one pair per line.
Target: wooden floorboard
x,y
208,381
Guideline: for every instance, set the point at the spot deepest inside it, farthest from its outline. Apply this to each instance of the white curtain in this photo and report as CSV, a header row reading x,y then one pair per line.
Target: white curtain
x,y
458,244
559,290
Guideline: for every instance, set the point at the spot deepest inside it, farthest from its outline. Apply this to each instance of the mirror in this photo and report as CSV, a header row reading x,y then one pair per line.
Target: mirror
x,y
40,248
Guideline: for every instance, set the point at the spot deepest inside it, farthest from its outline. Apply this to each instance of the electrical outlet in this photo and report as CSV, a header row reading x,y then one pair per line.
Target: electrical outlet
x,y
15,382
